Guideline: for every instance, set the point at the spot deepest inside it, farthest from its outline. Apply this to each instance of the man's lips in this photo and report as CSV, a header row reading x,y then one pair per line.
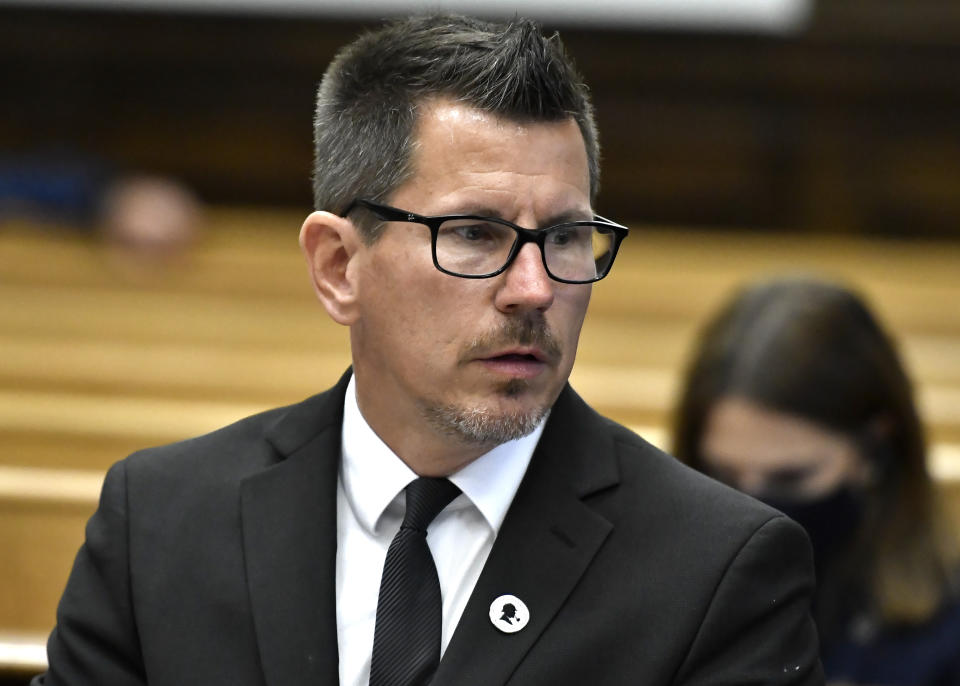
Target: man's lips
x,y
517,362
525,352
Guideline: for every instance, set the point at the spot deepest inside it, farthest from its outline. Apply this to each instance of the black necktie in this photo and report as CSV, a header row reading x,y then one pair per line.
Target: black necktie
x,y
406,639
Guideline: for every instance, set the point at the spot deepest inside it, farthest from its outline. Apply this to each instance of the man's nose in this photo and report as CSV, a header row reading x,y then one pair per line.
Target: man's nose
x,y
526,284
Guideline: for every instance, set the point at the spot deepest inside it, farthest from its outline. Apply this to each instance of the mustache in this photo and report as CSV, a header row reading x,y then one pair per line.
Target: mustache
x,y
531,330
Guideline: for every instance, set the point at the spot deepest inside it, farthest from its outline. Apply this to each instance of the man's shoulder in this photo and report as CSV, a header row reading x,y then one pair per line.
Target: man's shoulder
x,y
243,447
234,442
690,521
659,485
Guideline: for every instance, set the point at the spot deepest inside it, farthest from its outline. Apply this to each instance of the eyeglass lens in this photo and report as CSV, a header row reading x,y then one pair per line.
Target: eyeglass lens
x,y
475,247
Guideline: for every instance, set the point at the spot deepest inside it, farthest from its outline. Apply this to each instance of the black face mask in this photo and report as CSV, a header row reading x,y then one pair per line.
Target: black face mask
x,y
831,520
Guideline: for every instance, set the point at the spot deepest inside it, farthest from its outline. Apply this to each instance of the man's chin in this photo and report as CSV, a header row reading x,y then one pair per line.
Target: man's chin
x,y
495,421
514,388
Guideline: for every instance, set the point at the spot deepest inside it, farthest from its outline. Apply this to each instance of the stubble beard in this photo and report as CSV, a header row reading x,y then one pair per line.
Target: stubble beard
x,y
483,425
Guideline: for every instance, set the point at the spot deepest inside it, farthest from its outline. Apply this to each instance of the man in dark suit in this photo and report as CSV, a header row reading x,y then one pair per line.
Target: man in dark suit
x,y
456,168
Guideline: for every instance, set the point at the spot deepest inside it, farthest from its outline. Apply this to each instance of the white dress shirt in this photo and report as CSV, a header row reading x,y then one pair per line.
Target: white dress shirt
x,y
370,507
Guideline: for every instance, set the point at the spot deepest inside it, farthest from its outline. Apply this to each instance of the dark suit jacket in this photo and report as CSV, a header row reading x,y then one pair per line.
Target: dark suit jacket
x,y
211,561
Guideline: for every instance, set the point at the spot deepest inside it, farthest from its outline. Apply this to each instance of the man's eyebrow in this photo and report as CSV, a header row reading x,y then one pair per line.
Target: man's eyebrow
x,y
477,211
571,215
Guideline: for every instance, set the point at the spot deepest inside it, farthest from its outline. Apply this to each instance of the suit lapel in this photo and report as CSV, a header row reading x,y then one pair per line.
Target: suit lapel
x,y
547,541
288,515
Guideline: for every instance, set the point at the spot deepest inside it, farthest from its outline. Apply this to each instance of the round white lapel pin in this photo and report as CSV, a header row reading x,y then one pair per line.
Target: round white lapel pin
x,y
509,614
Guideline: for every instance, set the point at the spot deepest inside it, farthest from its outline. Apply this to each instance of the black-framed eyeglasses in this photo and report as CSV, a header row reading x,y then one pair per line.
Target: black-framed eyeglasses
x,y
476,247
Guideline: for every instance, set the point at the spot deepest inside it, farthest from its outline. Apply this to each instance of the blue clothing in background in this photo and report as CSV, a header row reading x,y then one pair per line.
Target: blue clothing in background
x,y
924,655
52,187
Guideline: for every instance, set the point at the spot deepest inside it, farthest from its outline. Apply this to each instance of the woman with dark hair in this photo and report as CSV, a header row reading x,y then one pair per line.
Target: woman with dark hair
x,y
796,395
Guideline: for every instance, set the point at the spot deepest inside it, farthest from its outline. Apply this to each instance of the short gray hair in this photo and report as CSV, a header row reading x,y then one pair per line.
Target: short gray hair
x,y
366,115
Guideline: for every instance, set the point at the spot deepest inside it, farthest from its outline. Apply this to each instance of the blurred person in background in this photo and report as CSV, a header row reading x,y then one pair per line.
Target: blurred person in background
x,y
146,216
795,394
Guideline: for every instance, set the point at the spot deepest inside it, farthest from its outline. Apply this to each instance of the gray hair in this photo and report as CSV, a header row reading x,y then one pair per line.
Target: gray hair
x,y
366,115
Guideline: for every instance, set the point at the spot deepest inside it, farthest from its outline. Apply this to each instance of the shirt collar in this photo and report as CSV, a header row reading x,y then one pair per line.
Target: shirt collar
x,y
373,476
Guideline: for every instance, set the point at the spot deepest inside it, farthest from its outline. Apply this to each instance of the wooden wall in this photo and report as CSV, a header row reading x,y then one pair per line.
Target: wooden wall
x,y
849,125
101,356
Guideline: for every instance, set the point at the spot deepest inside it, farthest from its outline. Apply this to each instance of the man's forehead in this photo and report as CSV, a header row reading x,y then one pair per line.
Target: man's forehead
x,y
451,112
469,161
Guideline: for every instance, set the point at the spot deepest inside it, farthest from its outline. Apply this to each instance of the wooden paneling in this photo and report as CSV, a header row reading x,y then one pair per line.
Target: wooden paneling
x,y
97,360
847,126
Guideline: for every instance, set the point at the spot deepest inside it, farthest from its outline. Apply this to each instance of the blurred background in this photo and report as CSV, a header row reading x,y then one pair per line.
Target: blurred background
x,y
154,171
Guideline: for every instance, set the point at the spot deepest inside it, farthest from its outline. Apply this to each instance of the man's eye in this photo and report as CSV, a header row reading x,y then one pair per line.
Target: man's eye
x,y
474,232
570,236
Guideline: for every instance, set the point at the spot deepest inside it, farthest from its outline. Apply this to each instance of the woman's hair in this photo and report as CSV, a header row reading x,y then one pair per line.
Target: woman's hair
x,y
812,349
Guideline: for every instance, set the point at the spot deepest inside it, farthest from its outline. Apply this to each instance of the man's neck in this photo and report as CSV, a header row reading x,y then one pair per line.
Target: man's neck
x,y
427,453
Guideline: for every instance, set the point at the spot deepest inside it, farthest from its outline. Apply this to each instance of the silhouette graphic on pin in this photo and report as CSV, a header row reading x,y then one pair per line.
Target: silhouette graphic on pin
x,y
509,614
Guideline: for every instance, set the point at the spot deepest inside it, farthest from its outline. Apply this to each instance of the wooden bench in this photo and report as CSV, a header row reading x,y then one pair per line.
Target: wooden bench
x,y
97,361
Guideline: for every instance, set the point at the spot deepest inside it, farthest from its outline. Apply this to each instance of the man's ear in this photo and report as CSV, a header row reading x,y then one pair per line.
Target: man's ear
x,y
330,245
